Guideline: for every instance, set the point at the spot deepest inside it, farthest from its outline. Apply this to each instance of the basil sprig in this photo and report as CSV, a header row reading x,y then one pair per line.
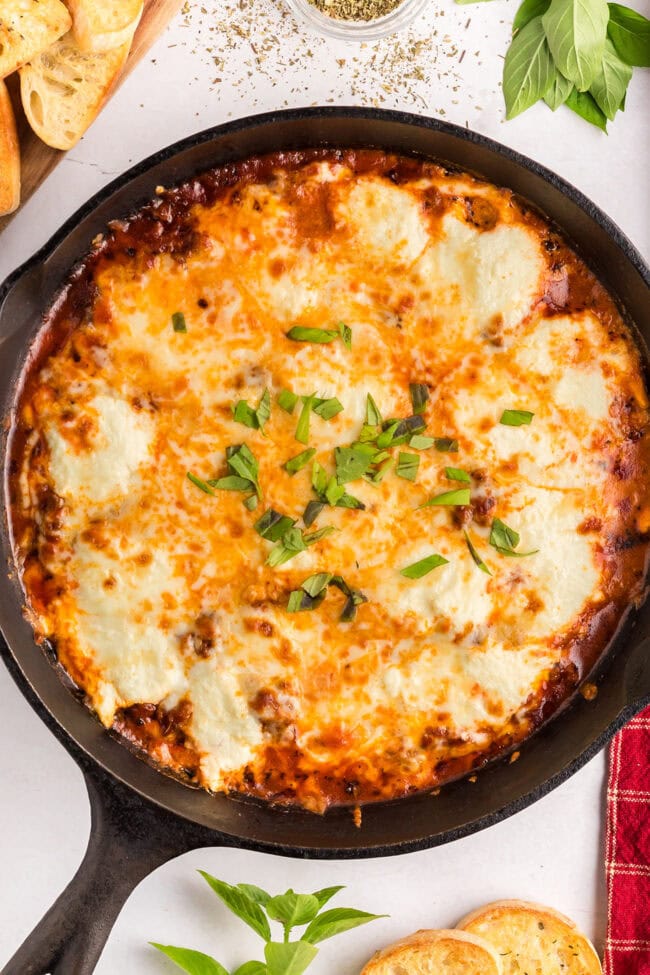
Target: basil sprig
x,y
244,475
424,566
255,418
258,909
505,540
313,590
578,53
455,498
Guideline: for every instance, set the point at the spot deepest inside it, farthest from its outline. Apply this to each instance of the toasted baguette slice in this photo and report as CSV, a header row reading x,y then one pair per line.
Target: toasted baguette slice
x,y
436,953
64,88
100,25
535,939
9,155
28,27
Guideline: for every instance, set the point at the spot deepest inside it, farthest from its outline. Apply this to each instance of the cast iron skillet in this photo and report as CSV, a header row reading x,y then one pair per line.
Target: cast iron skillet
x,y
142,818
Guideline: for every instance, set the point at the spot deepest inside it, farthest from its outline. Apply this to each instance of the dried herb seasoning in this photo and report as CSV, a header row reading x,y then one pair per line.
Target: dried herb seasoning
x,y
356,9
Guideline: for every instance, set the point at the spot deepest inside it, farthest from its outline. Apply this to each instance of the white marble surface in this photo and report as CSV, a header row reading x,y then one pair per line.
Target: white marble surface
x,y
209,67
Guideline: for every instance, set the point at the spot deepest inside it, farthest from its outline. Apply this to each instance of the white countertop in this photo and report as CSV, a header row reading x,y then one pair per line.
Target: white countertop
x,y
200,74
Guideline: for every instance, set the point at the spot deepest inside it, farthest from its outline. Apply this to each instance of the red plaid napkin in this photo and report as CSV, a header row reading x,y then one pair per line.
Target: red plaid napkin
x,y
627,864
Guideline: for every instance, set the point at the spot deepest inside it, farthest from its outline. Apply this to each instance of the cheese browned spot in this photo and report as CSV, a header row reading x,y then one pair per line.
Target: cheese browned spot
x,y
157,596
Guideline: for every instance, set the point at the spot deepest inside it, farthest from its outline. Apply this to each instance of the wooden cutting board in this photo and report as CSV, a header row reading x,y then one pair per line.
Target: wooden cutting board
x,y
37,159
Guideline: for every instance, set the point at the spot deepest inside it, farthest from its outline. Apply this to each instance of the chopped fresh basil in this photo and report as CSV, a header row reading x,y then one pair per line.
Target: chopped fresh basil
x,y
178,322
327,408
446,445
346,334
272,525
419,397
199,483
477,558
369,433
455,474
319,335
420,442
312,592
315,584
505,540
407,466
312,512
334,491
233,482
397,432
314,537
516,418
287,400
378,475
373,416
299,601
253,418
291,543
319,479
302,430
353,462
354,598
295,464
251,502
263,411
241,461
385,438
421,568
348,501
459,496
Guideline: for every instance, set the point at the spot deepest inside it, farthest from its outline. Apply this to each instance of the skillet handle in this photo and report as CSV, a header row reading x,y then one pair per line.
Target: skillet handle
x,y
129,838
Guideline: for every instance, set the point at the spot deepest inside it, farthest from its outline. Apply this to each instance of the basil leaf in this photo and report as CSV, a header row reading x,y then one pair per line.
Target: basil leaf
x,y
418,442
295,464
258,895
273,525
287,400
610,84
421,568
419,393
576,32
348,501
455,474
251,503
314,537
290,958
291,543
369,432
178,322
630,34
314,585
291,909
205,487
477,558
193,962
319,479
328,408
252,968
459,496
302,430
445,445
299,601
353,462
405,428
516,418
505,540
378,475
528,68
583,104
346,334
373,416
231,483
407,466
312,512
527,11
354,598
263,411
559,91
336,921
243,906
241,460
318,335
334,491
326,894
385,438
243,413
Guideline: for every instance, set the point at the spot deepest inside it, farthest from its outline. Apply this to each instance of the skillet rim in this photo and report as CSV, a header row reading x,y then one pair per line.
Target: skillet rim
x,y
82,754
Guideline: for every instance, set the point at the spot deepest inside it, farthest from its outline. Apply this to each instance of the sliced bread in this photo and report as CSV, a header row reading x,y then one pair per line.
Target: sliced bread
x,y
436,953
28,27
63,89
533,939
100,25
9,155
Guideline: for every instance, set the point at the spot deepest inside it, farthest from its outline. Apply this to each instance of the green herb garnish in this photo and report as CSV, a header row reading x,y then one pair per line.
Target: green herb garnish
x,y
300,333
203,485
272,525
353,462
446,445
346,334
241,461
396,432
421,568
258,909
407,466
477,558
251,502
294,541
455,474
302,430
295,464
459,496
233,482
178,322
420,442
373,416
312,512
253,418
287,400
516,418
419,397
327,408
505,540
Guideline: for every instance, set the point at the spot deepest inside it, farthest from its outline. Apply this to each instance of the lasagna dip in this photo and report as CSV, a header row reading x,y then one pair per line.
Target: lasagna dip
x,y
328,476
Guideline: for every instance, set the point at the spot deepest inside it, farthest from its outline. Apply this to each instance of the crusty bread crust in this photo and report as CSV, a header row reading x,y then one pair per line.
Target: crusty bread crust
x,y
533,938
443,952
28,27
64,88
9,155
101,25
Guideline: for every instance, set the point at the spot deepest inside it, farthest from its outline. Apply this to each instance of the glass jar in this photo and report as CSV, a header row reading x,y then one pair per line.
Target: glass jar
x,y
358,30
